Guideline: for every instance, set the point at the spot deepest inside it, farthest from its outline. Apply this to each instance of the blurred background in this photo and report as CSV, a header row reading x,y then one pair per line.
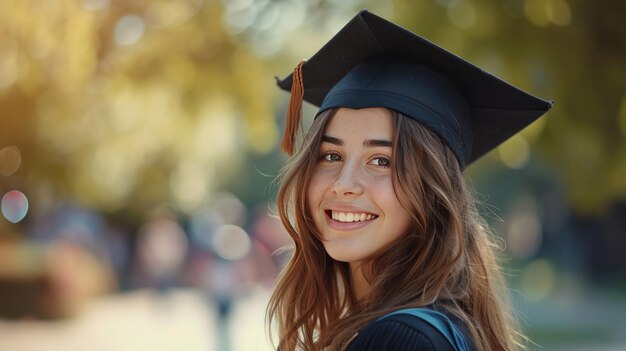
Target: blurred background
x,y
138,148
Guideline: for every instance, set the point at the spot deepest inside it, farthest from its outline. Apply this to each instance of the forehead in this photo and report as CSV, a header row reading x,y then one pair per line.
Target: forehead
x,y
372,123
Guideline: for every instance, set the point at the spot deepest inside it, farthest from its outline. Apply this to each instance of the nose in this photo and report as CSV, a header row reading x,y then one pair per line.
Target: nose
x,y
348,182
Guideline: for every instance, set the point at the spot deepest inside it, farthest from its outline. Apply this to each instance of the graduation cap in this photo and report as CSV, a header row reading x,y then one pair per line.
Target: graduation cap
x,y
372,62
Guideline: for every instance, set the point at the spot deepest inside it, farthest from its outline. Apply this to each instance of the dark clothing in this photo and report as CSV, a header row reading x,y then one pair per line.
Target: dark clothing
x,y
404,332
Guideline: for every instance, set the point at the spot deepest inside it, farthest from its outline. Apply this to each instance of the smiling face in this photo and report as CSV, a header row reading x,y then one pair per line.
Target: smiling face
x,y
351,195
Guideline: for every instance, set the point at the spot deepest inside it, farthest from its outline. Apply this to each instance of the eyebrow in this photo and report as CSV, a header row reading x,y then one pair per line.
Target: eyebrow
x,y
366,142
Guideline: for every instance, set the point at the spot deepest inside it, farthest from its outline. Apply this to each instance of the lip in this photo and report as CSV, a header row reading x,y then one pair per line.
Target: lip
x,y
347,226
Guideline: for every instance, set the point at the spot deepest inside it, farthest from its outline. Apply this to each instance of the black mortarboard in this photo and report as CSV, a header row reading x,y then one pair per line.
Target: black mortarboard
x,y
372,62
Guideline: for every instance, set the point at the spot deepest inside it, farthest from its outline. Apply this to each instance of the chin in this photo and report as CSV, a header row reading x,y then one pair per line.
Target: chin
x,y
342,255
340,258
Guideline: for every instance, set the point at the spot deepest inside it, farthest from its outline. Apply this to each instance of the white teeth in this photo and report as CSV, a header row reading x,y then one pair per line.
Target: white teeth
x,y
348,217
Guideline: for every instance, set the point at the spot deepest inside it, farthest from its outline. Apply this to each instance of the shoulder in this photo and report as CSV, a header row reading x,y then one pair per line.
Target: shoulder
x,y
398,333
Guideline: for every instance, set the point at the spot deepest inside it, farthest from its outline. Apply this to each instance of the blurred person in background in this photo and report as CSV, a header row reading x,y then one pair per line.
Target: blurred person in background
x,y
269,238
389,250
161,251
225,262
64,261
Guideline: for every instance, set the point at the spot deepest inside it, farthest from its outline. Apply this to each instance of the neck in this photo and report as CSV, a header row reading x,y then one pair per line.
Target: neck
x,y
359,284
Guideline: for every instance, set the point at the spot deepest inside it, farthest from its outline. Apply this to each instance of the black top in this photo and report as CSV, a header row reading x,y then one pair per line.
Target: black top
x,y
404,332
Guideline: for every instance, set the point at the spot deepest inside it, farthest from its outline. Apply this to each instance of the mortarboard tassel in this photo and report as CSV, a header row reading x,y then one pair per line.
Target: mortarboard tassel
x,y
294,113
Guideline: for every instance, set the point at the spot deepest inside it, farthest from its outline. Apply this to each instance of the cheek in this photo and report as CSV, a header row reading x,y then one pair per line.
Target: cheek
x,y
383,188
391,204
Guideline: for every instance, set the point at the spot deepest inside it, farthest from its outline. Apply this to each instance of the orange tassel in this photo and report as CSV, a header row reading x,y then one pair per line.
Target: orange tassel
x,y
294,113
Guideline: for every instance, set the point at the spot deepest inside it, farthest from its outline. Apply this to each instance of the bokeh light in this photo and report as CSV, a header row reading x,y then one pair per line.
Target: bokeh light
x,y
538,280
10,160
462,14
268,18
172,13
189,185
559,12
230,208
129,30
536,13
266,23
240,14
96,5
515,152
14,206
9,64
523,233
544,12
231,242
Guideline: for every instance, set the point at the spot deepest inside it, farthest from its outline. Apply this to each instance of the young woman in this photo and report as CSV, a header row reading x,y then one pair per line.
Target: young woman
x,y
389,251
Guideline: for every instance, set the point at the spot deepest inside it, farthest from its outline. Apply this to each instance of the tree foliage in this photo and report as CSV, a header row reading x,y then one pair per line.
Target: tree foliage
x,y
569,51
128,103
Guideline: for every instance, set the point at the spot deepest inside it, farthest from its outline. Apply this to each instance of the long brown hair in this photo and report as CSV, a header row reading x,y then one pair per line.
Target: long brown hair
x,y
447,258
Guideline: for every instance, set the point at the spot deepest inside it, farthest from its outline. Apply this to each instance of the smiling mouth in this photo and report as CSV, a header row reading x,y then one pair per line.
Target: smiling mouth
x,y
349,217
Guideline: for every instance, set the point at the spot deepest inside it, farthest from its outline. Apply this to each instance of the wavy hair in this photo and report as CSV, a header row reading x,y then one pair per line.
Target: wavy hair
x,y
447,258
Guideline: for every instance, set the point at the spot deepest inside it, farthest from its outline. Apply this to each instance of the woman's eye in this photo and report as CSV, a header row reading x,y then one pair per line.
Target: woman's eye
x,y
331,157
381,161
